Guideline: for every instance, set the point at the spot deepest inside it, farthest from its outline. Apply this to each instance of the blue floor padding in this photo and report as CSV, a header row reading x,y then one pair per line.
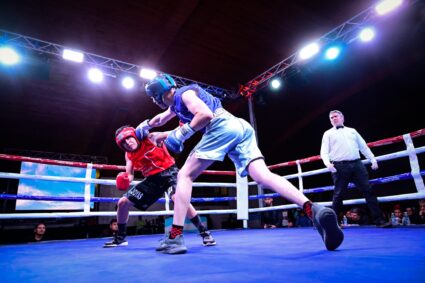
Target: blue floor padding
x,y
368,254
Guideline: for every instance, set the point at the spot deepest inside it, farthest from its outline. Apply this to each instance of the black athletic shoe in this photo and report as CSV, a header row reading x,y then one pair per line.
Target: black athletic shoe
x,y
326,222
207,239
118,241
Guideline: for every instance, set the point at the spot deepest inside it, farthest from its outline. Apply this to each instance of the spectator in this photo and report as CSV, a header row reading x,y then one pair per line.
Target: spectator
x,y
421,218
413,216
348,214
112,229
302,220
39,233
398,215
270,219
287,219
357,216
113,226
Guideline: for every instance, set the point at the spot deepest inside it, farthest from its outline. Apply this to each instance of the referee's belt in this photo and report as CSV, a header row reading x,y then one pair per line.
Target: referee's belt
x,y
345,161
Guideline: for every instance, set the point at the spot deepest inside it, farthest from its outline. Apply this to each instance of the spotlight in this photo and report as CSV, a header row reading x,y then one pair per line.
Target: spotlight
x,y
72,55
8,56
367,34
95,75
127,82
148,74
387,6
275,83
332,53
309,51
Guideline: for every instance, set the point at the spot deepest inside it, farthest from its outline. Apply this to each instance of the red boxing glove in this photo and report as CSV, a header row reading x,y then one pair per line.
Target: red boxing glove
x,y
123,181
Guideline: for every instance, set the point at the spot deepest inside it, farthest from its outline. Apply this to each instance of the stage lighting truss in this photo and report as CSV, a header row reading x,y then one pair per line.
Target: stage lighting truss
x,y
110,67
346,33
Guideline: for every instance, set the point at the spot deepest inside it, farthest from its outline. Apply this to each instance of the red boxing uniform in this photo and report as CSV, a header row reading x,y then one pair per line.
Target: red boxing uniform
x,y
150,159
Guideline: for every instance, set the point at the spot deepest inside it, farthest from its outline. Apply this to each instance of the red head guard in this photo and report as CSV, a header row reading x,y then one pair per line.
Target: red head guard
x,y
125,133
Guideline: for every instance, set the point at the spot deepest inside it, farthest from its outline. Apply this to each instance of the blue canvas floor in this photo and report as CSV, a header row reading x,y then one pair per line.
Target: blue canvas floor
x,y
368,254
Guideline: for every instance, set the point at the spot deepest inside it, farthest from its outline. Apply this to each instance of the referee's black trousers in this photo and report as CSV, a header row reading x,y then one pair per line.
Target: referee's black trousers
x,y
354,171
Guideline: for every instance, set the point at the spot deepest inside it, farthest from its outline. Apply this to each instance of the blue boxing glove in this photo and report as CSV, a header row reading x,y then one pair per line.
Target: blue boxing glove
x,y
143,129
173,143
176,138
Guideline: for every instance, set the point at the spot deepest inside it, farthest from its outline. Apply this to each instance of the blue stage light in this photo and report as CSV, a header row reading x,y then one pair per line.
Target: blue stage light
x,y
8,56
332,52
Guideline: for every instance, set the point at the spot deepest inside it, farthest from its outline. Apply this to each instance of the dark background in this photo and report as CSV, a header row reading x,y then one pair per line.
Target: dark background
x,y
49,106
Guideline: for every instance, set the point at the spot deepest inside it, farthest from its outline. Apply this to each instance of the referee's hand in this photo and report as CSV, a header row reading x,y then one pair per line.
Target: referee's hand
x,y
331,168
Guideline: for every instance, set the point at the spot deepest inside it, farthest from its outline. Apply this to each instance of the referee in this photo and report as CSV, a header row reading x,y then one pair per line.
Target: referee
x,y
340,152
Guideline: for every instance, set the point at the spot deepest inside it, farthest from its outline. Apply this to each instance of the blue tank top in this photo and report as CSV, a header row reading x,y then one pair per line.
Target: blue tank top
x,y
181,110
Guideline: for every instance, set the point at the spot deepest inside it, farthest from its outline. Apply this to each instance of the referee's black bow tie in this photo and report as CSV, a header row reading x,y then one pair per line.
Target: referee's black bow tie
x,y
339,127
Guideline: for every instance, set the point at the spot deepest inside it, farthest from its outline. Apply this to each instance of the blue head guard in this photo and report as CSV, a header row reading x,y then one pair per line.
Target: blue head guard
x,y
157,87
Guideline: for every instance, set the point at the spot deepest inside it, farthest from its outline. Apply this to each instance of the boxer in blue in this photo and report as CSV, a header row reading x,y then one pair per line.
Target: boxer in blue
x,y
223,134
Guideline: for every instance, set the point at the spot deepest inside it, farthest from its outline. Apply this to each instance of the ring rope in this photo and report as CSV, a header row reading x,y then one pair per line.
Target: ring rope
x,y
382,180
111,182
411,152
382,142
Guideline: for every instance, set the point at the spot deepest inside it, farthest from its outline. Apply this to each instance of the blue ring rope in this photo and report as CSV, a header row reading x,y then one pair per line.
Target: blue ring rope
x,y
383,180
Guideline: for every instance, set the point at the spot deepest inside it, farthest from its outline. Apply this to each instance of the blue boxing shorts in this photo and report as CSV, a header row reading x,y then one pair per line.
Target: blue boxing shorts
x,y
227,134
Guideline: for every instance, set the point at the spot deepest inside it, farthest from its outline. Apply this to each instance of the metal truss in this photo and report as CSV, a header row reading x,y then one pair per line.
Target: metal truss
x,y
344,33
109,66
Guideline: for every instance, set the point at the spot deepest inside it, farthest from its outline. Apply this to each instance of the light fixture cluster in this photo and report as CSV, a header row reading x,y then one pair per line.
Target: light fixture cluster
x,y
96,75
332,51
10,56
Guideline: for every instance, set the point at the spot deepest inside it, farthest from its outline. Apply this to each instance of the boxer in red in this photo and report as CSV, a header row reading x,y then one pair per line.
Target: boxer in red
x,y
160,172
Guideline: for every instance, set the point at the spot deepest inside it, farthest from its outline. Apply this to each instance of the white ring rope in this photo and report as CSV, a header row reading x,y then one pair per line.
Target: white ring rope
x,y
242,209
111,182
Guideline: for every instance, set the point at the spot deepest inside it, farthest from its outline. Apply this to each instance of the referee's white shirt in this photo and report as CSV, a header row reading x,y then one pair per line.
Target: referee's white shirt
x,y
343,144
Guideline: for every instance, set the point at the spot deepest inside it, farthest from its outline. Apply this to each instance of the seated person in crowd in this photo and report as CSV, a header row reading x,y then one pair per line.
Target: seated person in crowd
x,y
112,230
413,216
271,218
39,232
302,220
357,216
398,213
287,219
348,214
421,218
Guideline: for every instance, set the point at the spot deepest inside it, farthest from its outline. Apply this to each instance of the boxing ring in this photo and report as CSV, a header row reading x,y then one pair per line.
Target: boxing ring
x,y
241,185
241,255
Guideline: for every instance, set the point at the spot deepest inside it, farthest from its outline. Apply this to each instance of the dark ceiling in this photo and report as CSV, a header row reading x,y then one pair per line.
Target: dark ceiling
x,y
48,105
